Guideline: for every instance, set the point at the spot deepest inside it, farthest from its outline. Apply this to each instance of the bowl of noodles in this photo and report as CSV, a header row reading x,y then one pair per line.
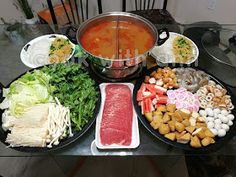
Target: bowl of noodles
x,y
47,49
177,49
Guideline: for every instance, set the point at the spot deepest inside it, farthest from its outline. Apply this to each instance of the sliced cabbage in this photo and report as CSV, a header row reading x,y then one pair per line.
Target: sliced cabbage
x,y
30,89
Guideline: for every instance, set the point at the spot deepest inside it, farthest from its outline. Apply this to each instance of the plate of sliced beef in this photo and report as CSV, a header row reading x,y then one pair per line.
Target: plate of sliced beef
x,y
117,124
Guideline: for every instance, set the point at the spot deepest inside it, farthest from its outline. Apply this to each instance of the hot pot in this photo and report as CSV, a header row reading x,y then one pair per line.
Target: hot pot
x,y
120,68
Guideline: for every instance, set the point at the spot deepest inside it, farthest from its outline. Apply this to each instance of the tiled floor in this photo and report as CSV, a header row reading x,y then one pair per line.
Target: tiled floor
x,y
93,166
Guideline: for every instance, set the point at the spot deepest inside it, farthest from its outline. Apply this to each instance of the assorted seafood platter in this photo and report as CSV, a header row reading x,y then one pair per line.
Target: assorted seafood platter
x,y
185,107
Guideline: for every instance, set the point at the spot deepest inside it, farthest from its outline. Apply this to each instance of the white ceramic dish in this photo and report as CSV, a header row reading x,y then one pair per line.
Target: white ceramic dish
x,y
135,130
40,57
164,54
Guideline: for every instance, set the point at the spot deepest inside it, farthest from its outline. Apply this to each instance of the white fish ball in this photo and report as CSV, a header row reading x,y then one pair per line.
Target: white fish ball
x,y
203,113
224,112
216,115
224,119
210,119
217,126
208,109
225,127
217,111
230,116
221,132
210,125
214,131
217,121
220,116
209,112
230,123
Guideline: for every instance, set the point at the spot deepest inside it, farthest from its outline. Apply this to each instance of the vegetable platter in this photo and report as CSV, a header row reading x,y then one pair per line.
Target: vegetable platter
x,y
185,107
48,107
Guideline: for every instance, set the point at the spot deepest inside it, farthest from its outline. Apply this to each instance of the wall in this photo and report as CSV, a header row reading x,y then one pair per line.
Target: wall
x,y
10,12
189,11
184,11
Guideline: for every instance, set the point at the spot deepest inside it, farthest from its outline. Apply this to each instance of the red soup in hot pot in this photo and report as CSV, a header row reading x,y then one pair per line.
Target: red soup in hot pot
x,y
113,40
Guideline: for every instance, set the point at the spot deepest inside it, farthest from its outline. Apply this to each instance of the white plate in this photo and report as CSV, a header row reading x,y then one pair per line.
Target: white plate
x,y
163,54
40,58
135,130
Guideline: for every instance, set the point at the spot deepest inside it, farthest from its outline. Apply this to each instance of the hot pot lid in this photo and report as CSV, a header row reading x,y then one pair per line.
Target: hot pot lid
x,y
221,45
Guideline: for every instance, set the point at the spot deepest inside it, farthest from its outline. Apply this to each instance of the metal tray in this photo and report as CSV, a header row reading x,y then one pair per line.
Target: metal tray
x,y
186,147
64,142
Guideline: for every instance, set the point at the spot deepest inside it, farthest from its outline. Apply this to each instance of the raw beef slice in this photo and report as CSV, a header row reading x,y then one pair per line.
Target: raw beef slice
x,y
116,125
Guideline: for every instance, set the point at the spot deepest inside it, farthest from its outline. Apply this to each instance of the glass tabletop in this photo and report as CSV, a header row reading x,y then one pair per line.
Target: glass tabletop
x,y
220,44
11,67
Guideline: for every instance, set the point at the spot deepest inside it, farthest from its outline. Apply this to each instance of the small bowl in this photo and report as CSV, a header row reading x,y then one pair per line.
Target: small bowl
x,y
164,55
41,58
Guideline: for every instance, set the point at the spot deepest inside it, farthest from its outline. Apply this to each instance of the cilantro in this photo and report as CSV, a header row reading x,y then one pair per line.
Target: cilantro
x,y
52,48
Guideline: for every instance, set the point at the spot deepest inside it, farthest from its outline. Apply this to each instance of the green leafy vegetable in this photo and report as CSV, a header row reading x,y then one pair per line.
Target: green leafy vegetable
x,y
75,89
30,89
182,42
52,48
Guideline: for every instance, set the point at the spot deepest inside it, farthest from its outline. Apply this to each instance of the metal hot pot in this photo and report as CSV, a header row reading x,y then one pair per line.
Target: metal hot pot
x,y
120,68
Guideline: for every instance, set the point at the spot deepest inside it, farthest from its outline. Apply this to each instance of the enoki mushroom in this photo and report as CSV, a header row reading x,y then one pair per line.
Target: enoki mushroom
x,y
58,123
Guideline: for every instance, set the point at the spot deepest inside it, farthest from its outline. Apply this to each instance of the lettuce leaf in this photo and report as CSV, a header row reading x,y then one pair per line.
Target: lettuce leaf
x,y
30,89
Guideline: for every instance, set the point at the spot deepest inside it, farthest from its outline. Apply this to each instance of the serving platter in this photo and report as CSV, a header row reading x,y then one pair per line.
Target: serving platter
x,y
163,54
219,141
41,57
63,143
135,139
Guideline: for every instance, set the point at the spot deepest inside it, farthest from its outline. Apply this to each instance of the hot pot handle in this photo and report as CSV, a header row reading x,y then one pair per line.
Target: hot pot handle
x,y
161,40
